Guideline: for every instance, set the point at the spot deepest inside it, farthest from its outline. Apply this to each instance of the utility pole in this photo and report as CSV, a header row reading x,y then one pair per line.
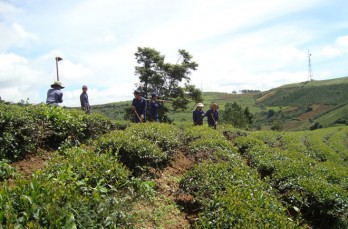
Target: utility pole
x,y
309,66
58,59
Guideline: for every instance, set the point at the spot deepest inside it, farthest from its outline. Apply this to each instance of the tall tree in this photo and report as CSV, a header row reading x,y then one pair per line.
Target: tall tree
x,y
237,116
165,79
149,72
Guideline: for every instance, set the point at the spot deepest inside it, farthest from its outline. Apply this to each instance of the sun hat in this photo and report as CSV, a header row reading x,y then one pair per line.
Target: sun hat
x,y
57,83
214,104
200,105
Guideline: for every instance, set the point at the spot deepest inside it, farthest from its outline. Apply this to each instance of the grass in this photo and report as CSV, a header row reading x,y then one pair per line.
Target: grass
x,y
331,117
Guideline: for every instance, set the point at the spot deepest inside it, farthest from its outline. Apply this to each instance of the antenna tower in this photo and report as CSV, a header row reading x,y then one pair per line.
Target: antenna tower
x,y
309,66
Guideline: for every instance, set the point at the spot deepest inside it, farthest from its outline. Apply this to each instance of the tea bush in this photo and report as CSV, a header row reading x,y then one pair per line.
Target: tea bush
x,y
166,136
131,150
231,195
17,132
197,132
305,181
206,139
7,171
78,189
25,129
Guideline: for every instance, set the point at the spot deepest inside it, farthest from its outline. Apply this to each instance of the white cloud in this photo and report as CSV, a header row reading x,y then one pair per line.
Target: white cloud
x,y
238,44
339,48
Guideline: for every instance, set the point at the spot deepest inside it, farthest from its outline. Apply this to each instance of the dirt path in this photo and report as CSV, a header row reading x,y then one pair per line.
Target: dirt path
x,y
168,184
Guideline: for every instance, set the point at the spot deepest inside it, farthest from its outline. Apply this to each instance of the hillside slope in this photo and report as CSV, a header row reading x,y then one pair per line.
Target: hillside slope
x,y
296,106
306,102
330,92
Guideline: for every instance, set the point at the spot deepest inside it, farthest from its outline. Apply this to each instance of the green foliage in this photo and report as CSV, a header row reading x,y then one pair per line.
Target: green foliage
x,y
17,132
307,170
7,171
237,116
131,150
103,172
232,196
78,189
302,96
166,136
164,78
24,129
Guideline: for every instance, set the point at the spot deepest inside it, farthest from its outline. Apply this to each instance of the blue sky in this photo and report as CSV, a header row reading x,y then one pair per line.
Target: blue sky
x,y
246,44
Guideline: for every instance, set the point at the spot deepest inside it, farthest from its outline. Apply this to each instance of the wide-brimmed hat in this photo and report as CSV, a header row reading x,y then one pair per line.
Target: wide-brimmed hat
x,y
57,83
200,105
214,104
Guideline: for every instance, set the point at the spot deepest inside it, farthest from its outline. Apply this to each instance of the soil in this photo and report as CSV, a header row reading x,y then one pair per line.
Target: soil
x,y
316,109
169,187
30,164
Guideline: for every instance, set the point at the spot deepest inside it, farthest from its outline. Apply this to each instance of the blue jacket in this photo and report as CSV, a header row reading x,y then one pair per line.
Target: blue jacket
x,y
84,101
140,108
212,117
54,96
197,116
154,106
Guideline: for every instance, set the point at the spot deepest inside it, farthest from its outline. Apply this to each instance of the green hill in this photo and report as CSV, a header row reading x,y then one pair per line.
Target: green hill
x,y
332,92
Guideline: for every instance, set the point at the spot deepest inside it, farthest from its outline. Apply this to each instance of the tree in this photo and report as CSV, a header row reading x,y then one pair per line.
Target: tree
x,y
155,75
236,115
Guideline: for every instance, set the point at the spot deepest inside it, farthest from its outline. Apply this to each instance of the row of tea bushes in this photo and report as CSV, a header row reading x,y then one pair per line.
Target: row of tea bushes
x,y
229,193
26,129
91,185
141,145
78,189
309,173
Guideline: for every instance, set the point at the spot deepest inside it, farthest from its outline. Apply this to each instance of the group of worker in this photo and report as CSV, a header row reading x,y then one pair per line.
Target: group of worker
x,y
212,115
55,96
139,106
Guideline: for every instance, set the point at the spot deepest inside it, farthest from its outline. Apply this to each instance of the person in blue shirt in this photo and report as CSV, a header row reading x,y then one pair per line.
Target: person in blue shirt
x,y
55,94
198,115
139,107
84,100
154,106
213,115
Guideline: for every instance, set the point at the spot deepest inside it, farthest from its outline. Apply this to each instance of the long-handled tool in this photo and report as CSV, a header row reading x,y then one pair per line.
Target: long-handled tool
x,y
212,115
161,100
199,119
135,111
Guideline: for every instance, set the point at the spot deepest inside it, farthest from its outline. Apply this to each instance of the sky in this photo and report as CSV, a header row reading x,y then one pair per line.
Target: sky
x,y
239,44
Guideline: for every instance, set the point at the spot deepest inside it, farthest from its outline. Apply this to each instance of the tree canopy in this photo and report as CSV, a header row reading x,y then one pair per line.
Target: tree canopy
x,y
169,81
237,116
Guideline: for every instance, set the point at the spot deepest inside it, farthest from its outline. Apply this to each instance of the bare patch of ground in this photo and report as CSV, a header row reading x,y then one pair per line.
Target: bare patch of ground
x,y
264,97
30,164
316,109
168,184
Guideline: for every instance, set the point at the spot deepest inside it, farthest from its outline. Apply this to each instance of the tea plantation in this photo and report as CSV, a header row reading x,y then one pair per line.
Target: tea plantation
x,y
102,173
